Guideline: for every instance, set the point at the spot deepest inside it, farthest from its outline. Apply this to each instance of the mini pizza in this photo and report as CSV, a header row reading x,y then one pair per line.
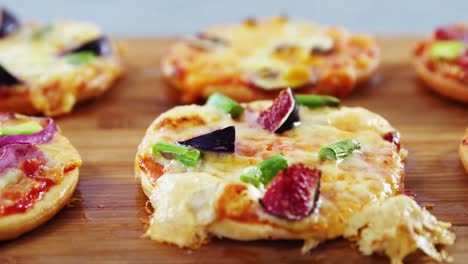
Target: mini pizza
x,y
297,168
49,68
38,173
256,59
463,150
442,62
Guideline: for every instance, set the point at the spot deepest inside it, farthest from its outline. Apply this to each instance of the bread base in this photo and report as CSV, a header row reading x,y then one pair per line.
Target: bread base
x,y
13,226
446,87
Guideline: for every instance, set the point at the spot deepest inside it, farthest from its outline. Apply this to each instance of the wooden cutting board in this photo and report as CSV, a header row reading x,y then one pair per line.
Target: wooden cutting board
x,y
103,222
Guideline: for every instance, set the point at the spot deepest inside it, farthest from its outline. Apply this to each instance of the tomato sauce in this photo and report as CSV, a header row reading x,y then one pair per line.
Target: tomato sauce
x,y
31,168
36,193
151,168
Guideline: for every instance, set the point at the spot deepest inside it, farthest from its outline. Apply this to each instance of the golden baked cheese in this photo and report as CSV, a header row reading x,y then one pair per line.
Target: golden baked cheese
x,y
401,227
255,59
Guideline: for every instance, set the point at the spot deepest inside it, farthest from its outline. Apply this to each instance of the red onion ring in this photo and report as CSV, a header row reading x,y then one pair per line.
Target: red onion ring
x,y
13,155
41,137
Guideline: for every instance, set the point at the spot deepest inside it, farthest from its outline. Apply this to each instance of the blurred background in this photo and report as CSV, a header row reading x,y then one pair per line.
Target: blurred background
x,y
170,17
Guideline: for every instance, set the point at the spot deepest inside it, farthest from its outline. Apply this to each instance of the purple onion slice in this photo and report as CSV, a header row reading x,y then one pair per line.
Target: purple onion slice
x,y
221,140
41,137
13,155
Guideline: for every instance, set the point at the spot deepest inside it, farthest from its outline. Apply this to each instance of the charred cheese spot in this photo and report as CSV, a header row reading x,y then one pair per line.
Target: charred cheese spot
x,y
180,122
234,203
250,22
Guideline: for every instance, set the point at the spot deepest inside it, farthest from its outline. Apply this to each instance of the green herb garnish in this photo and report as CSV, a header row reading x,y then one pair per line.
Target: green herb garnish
x,y
185,155
265,171
26,128
339,149
79,58
447,50
314,100
252,175
226,104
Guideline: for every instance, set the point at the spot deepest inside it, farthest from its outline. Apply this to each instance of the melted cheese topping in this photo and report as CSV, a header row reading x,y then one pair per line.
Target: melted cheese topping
x,y
372,174
53,82
401,227
185,204
9,177
36,60
271,54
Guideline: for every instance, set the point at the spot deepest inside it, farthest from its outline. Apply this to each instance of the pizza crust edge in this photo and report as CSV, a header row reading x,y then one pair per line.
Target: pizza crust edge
x,y
13,226
444,86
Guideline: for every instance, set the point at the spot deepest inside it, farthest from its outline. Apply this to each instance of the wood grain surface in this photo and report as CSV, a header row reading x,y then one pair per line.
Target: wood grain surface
x,y
103,222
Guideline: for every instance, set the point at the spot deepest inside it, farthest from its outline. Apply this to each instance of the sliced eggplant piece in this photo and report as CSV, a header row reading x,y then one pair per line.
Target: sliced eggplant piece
x,y
221,140
100,47
8,23
7,79
282,115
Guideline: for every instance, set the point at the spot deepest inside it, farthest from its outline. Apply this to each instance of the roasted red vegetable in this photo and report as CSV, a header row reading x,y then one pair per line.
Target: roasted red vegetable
x,y
282,115
294,192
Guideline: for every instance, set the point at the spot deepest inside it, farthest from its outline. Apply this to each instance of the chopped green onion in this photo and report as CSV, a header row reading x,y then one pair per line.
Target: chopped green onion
x,y
41,32
271,166
265,171
339,149
26,128
252,175
226,104
314,100
185,155
447,50
189,158
79,58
